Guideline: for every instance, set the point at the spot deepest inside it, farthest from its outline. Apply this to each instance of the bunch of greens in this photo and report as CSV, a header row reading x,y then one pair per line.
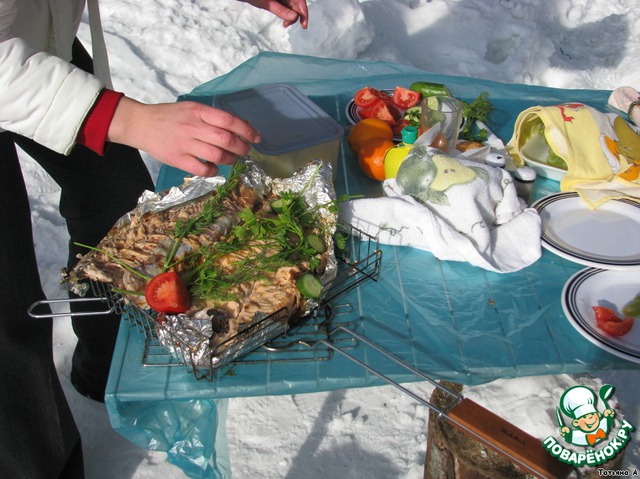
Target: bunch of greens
x,y
478,109
285,234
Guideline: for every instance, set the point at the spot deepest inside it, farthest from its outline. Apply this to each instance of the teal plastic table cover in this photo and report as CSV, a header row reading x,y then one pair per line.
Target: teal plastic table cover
x,y
449,320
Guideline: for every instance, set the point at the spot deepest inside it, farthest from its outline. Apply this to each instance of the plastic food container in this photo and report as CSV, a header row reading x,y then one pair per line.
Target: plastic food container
x,y
294,130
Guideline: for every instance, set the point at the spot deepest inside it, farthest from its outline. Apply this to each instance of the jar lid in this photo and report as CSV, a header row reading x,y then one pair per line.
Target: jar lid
x,y
495,159
409,134
525,173
286,118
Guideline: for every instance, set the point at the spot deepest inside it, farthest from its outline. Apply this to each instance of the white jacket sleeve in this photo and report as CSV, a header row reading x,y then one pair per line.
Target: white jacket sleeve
x,y
42,97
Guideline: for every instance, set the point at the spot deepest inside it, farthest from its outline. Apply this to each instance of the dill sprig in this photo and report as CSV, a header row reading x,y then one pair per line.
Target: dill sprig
x,y
264,240
267,240
218,284
211,210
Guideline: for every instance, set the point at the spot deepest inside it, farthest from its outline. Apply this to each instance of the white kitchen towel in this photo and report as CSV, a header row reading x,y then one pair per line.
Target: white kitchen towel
x,y
457,209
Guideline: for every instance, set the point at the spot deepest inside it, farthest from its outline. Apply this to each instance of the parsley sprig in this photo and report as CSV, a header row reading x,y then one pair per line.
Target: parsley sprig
x,y
478,109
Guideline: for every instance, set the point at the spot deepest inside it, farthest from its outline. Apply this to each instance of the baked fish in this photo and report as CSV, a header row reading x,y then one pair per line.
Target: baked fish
x,y
243,251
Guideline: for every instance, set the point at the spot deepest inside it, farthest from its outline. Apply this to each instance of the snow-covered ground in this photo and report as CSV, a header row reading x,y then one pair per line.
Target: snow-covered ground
x,y
162,48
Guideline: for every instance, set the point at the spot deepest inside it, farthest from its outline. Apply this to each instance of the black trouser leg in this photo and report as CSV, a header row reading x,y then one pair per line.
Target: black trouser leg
x,y
95,192
38,432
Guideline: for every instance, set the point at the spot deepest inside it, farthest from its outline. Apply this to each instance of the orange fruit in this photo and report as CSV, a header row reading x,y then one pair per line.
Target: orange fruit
x,y
371,157
365,130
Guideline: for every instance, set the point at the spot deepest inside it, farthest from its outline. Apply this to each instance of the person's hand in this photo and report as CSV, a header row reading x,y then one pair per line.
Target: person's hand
x,y
290,11
188,135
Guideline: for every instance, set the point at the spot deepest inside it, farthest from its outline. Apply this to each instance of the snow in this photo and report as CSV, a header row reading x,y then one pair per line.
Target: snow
x,y
162,48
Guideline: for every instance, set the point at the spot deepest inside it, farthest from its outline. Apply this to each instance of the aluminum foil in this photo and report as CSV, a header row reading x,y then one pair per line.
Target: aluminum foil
x,y
189,338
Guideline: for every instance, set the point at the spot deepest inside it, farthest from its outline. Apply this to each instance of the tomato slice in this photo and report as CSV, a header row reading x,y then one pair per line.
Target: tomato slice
x,y
367,97
167,293
616,328
609,322
382,111
405,98
366,113
604,314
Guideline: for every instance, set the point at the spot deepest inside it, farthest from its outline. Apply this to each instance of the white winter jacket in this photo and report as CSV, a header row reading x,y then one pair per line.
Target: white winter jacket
x,y
43,96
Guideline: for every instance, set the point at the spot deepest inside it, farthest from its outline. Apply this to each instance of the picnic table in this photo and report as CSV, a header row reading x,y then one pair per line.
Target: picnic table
x,y
449,320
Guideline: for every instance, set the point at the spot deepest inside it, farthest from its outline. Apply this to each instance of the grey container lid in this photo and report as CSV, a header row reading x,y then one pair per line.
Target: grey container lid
x,y
286,119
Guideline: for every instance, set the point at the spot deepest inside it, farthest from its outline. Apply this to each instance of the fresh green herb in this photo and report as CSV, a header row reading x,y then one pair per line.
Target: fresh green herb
x,y
116,260
215,283
265,240
288,234
340,239
412,115
211,210
478,109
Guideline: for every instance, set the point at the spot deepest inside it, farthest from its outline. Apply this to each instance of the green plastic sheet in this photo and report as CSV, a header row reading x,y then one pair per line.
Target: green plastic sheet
x,y
449,320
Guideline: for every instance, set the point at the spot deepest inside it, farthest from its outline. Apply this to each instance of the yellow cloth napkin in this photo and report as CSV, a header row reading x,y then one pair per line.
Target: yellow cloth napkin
x,y
599,149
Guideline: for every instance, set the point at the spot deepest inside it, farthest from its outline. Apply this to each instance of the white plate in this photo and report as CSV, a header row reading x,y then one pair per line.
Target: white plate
x,y
599,287
606,237
535,153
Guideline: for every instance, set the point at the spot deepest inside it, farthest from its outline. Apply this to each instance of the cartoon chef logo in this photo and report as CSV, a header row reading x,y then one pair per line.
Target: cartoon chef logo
x,y
588,425
583,424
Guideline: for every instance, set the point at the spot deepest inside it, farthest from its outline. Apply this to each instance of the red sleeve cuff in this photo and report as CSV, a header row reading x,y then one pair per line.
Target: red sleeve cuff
x,y
93,133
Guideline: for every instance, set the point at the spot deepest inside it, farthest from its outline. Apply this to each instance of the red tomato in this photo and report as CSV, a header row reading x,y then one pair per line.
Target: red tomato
x,y
610,323
367,97
384,112
605,314
616,328
366,113
167,293
405,98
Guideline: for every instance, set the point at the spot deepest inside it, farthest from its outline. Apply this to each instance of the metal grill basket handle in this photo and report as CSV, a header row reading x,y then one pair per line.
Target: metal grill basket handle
x,y
39,309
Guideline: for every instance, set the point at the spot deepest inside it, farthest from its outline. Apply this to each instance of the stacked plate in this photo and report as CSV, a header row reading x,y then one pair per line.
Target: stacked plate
x,y
607,240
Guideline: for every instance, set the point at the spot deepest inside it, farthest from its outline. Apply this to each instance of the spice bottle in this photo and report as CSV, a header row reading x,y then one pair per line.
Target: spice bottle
x,y
396,155
524,179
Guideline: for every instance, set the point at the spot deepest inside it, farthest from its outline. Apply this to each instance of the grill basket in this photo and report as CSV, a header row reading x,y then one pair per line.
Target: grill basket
x,y
268,337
